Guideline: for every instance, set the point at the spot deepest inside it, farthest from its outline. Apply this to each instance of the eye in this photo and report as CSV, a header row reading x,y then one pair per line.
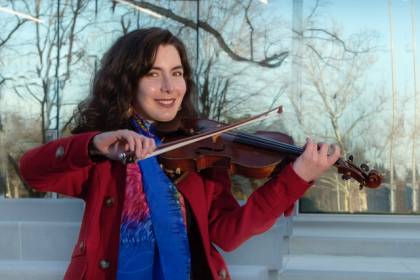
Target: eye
x,y
178,73
152,74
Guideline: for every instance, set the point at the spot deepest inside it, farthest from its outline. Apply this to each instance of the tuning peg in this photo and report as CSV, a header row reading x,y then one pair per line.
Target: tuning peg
x,y
351,158
364,167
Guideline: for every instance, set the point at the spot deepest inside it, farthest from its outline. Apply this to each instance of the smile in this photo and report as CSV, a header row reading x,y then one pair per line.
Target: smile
x,y
167,103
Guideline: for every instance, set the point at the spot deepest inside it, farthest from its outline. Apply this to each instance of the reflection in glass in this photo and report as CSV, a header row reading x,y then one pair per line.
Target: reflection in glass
x,y
328,63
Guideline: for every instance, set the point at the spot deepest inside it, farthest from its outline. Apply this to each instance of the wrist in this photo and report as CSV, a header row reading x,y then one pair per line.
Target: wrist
x,y
93,152
301,173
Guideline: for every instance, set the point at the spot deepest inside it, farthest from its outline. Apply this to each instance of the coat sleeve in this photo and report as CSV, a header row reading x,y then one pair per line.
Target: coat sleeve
x,y
230,224
61,166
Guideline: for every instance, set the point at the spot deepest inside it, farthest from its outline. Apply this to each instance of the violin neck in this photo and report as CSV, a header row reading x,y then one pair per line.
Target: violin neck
x,y
265,143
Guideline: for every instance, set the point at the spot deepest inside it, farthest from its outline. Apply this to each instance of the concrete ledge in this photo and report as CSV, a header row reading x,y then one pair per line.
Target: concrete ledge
x,y
360,268
38,209
366,220
363,226
248,272
10,245
32,270
262,250
356,235
48,240
317,275
347,246
37,240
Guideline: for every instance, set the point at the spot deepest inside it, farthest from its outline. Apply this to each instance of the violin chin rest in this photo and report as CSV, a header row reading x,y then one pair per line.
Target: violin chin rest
x,y
178,125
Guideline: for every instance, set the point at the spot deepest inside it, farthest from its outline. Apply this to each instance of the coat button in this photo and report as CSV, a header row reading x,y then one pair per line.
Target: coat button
x,y
81,246
104,264
109,201
223,274
59,153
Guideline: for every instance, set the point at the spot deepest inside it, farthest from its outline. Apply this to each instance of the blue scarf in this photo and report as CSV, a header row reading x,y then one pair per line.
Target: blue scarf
x,y
156,248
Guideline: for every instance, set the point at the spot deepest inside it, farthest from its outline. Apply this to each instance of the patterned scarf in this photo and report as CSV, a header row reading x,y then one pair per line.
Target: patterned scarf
x,y
154,241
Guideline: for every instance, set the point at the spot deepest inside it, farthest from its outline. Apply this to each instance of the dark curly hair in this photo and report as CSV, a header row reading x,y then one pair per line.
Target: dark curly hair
x,y
114,88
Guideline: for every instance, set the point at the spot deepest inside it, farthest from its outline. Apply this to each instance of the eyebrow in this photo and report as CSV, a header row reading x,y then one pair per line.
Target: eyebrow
x,y
161,69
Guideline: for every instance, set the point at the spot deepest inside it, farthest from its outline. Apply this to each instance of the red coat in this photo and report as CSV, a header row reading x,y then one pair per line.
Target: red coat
x,y
64,166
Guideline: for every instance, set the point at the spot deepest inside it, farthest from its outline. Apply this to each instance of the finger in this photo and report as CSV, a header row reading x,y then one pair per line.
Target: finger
x,y
153,147
310,148
139,146
127,136
150,146
331,149
323,151
146,146
336,154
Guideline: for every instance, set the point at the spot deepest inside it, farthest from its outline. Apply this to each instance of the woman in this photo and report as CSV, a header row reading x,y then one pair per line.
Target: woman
x,y
137,224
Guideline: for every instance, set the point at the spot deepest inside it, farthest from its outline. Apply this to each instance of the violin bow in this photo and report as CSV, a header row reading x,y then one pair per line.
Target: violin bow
x,y
192,139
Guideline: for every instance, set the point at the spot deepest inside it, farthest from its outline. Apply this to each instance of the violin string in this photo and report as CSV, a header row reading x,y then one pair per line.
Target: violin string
x,y
272,145
276,144
268,143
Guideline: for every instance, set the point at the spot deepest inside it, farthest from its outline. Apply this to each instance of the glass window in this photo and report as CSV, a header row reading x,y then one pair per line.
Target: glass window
x,y
345,72
359,88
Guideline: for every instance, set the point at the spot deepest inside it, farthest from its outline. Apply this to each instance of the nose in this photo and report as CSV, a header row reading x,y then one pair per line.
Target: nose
x,y
167,84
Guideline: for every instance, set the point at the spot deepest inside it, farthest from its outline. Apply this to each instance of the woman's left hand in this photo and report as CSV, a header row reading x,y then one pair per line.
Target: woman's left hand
x,y
314,161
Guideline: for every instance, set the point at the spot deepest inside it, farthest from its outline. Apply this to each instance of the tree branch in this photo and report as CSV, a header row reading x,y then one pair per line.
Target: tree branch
x,y
14,29
333,37
270,62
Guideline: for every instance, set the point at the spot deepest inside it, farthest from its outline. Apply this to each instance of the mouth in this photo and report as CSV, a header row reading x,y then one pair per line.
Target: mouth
x,y
166,103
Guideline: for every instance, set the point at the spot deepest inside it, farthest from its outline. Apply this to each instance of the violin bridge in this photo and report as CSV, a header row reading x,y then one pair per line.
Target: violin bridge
x,y
214,138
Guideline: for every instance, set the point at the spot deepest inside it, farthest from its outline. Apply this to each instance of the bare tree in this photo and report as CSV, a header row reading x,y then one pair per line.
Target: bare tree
x,y
10,28
333,93
56,53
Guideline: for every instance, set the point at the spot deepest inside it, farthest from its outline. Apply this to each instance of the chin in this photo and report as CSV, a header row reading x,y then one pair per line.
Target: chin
x,y
165,118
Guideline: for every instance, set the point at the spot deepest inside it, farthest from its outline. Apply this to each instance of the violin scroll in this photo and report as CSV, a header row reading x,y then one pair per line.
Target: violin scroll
x,y
366,178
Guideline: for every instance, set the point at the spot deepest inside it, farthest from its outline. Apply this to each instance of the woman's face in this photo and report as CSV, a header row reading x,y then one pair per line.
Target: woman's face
x,y
160,92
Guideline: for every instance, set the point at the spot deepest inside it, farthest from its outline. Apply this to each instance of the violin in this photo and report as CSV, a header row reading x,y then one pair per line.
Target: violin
x,y
257,155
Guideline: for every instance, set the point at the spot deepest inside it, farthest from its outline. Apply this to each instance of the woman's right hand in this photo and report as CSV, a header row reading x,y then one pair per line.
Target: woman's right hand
x,y
112,143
